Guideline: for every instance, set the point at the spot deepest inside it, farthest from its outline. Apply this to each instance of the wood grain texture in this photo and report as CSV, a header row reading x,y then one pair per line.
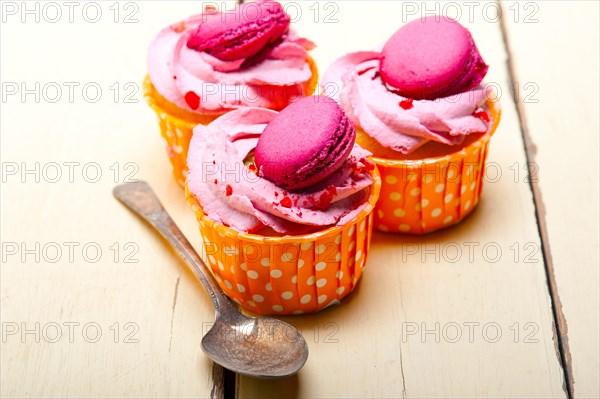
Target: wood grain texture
x,y
158,353
565,105
376,343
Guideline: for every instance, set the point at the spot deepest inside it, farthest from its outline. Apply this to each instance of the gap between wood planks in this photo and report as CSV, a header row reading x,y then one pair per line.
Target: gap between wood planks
x,y
560,327
218,382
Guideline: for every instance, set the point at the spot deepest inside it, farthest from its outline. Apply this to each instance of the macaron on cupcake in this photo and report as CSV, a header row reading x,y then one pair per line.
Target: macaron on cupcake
x,y
216,62
420,107
284,202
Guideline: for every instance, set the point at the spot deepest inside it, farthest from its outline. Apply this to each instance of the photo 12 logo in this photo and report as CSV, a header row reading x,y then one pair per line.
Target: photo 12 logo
x,y
69,331
70,92
53,12
471,252
68,172
68,252
452,332
318,11
489,11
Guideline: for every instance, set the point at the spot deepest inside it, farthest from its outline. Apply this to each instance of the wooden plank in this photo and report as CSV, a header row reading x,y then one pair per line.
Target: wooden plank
x,y
161,311
378,343
561,66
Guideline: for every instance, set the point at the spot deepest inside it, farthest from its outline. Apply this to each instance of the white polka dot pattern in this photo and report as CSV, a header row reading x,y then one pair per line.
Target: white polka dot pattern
x,y
418,198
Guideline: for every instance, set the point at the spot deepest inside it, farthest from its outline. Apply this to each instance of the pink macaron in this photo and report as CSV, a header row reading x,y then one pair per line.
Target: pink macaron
x,y
242,33
431,58
305,143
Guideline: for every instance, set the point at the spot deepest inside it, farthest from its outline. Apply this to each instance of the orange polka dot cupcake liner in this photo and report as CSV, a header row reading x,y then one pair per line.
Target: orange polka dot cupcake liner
x,y
289,274
421,196
177,125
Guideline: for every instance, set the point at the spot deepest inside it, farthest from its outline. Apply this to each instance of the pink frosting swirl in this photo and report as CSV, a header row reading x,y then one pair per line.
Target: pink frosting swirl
x,y
233,194
272,79
397,122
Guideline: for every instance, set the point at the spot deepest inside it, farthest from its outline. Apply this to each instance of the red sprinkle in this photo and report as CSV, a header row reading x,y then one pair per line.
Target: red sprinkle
x,y
276,193
406,104
252,167
228,190
216,182
192,100
369,166
286,202
299,214
214,162
324,199
174,77
483,116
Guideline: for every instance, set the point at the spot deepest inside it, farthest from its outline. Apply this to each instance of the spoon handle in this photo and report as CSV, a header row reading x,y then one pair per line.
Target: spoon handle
x,y
140,198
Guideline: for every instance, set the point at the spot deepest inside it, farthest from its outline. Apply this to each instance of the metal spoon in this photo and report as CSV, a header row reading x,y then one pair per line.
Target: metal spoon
x,y
265,347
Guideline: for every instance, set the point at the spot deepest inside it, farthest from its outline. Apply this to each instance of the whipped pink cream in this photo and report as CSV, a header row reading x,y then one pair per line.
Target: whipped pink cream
x,y
233,194
201,83
397,122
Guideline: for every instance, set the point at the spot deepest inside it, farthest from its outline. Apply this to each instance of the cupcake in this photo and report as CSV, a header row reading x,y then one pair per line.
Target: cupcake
x,y
216,62
284,202
420,107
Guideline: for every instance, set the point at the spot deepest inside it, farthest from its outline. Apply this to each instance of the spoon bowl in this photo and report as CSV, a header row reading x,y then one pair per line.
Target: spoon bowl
x,y
255,347
266,348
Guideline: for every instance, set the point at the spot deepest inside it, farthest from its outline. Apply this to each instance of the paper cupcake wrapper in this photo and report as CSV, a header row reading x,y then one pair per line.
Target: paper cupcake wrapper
x,y
290,274
176,127
422,196
176,124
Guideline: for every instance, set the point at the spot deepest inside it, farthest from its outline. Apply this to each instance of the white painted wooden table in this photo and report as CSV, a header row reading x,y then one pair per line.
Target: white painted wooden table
x,y
93,304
